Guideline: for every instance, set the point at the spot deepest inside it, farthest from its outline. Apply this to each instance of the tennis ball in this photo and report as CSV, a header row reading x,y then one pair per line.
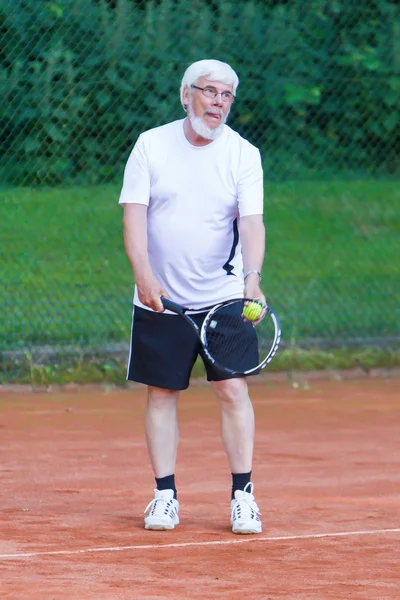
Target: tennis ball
x,y
252,311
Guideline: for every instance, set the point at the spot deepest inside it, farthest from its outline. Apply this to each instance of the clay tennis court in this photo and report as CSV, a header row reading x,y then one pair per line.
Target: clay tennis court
x,y
76,479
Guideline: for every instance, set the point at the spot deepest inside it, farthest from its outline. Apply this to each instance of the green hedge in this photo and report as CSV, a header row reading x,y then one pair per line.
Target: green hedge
x,y
320,81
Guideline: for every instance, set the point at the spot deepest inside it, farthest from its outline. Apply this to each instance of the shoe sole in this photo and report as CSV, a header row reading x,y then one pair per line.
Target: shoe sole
x,y
160,526
246,530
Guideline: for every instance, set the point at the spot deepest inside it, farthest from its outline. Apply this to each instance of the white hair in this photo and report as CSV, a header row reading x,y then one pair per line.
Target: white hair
x,y
214,70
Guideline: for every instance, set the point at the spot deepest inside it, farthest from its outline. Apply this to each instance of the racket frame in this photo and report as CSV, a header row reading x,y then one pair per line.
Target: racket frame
x,y
201,331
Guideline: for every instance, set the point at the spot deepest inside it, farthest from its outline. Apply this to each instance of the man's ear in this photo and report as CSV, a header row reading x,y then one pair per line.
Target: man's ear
x,y
185,97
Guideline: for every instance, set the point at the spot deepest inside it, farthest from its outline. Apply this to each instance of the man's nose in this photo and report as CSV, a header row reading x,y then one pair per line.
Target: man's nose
x,y
218,99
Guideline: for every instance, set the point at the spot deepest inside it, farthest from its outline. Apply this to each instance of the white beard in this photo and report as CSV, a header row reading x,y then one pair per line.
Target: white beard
x,y
201,128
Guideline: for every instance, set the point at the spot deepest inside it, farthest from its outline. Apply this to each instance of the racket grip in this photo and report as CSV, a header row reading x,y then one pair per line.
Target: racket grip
x,y
172,306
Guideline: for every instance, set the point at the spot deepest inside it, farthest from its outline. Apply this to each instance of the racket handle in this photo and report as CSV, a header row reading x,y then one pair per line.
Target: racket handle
x,y
172,306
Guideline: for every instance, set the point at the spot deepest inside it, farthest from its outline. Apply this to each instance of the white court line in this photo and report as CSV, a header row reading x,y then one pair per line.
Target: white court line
x,y
281,538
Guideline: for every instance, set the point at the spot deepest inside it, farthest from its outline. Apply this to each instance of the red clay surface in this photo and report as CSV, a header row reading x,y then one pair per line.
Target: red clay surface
x,y
75,479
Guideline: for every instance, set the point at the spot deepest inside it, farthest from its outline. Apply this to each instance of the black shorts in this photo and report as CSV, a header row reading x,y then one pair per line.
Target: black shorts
x,y
164,349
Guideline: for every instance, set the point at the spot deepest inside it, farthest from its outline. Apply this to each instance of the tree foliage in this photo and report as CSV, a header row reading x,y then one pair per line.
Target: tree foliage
x,y
319,91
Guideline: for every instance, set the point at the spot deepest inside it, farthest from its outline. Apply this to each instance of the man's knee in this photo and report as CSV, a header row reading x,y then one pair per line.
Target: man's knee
x,y
234,391
162,398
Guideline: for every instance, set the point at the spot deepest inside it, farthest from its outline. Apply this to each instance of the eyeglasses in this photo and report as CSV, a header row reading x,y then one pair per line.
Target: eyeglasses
x,y
211,92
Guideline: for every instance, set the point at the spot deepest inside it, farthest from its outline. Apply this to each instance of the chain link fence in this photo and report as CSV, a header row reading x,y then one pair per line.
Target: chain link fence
x,y
319,94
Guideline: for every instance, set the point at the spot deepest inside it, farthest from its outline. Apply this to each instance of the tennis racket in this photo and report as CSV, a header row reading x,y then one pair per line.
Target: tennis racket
x,y
231,342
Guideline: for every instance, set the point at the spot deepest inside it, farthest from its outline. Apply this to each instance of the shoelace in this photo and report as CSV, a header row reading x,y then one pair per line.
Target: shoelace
x,y
246,505
159,504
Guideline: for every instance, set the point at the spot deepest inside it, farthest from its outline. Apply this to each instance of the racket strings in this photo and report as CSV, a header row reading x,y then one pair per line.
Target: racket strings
x,y
231,342
236,344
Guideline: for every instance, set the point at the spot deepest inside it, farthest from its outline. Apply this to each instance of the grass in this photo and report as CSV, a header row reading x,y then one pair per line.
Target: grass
x,y
334,249
331,270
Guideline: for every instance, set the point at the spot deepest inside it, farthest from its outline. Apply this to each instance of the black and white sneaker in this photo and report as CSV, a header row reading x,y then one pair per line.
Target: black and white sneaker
x,y
244,512
164,509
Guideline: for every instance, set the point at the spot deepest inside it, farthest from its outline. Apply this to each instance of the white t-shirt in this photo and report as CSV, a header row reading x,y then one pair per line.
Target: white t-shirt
x,y
195,197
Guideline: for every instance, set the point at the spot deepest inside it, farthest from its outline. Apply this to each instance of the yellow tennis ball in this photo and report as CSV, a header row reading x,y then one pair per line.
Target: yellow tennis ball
x,y
252,311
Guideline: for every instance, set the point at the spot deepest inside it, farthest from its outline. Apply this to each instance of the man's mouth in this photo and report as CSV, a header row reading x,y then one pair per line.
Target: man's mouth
x,y
216,116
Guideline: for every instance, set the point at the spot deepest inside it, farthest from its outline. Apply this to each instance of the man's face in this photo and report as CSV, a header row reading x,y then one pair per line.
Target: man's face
x,y
213,112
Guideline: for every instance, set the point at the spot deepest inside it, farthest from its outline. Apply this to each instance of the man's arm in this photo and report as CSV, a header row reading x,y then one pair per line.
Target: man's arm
x,y
135,240
252,237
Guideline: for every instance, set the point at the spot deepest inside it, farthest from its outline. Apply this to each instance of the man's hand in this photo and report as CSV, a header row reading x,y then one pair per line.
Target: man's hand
x,y
150,292
253,291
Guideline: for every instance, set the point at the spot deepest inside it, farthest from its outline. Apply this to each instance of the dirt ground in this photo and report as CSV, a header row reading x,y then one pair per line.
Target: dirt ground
x,y
75,480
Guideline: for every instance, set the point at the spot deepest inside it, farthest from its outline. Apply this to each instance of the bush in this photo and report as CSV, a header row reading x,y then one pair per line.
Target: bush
x,y
319,81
